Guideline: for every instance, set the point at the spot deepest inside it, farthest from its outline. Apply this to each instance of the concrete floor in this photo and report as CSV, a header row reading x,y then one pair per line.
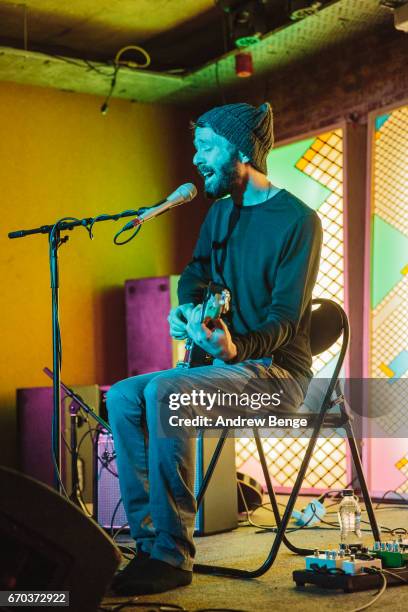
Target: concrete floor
x,y
244,548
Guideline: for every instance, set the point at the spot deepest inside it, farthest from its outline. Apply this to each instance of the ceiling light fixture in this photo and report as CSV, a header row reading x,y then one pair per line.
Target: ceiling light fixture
x,y
245,22
300,9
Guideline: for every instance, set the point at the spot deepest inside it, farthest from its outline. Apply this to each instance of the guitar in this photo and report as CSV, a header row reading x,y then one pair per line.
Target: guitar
x,y
216,303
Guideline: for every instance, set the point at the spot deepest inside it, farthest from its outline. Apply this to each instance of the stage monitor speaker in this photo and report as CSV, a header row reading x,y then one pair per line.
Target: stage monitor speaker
x,y
149,345
218,511
34,418
48,544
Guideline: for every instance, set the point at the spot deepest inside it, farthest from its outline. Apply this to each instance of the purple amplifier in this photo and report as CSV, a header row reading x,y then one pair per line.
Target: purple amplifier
x,y
149,345
109,510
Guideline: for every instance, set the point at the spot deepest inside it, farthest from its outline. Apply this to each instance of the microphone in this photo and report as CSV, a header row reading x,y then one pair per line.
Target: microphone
x,y
184,193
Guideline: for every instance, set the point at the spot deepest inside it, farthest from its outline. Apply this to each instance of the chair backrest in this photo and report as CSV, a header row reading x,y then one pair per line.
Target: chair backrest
x,y
328,322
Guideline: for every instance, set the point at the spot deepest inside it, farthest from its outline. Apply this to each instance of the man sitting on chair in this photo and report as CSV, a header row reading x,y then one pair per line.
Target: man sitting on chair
x,y
263,244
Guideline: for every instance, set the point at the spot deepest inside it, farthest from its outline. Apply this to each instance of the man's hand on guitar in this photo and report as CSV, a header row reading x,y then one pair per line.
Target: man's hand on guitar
x,y
178,319
213,336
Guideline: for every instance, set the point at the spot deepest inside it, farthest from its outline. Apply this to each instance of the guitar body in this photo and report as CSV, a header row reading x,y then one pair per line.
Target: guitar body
x,y
195,356
216,303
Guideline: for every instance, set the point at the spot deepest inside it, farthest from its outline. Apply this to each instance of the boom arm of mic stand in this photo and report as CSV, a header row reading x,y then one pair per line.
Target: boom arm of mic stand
x,y
77,398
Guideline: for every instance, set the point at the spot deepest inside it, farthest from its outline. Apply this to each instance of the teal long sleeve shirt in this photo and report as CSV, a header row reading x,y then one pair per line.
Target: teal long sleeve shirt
x,y
267,255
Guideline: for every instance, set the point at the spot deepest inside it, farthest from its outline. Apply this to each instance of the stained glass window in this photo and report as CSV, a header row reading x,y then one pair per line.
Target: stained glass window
x,y
389,288
311,169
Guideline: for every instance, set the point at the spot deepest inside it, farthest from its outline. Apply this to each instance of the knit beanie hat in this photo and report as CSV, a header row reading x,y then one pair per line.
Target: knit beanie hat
x,y
249,128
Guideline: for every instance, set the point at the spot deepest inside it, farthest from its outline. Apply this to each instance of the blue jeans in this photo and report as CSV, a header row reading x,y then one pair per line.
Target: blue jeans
x,y
156,473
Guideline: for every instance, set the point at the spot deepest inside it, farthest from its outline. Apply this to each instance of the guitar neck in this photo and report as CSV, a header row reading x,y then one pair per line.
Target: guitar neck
x,y
214,306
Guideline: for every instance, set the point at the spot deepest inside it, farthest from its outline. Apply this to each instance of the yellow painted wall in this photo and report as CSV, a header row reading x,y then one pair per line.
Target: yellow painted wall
x,y
59,156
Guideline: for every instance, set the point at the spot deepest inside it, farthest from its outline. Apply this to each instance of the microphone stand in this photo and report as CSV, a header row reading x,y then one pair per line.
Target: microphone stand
x,y
55,241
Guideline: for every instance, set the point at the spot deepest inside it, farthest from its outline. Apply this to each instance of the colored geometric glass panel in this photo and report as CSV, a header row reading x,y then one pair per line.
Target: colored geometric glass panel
x,y
389,266
402,465
311,169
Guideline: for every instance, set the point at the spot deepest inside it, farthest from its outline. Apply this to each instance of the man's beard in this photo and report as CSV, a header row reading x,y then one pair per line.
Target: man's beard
x,y
222,182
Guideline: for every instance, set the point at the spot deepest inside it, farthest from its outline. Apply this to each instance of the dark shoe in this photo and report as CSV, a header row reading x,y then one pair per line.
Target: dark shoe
x,y
154,576
131,569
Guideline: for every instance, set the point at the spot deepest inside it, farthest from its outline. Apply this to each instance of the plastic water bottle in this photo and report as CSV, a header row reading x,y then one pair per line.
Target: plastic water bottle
x,y
349,515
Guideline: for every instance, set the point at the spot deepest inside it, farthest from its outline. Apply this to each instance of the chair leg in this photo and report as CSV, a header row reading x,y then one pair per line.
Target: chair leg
x,y
211,467
272,498
361,478
238,573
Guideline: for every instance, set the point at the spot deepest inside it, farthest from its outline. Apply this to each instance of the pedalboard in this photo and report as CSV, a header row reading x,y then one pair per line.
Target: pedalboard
x,y
356,568
349,582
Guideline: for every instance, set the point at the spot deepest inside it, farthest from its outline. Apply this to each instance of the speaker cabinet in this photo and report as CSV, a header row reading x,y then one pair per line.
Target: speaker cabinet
x,y
149,345
48,544
34,418
218,510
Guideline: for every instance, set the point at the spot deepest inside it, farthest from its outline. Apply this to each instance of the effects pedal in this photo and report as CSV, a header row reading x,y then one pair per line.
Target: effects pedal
x,y
392,554
347,561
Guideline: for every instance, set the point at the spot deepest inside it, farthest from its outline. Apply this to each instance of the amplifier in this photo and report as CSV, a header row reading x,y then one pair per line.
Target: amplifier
x,y
34,417
149,345
218,511
108,506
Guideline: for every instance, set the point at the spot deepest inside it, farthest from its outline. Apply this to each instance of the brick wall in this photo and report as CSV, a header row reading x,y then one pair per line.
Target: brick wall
x,y
345,82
